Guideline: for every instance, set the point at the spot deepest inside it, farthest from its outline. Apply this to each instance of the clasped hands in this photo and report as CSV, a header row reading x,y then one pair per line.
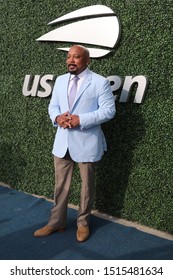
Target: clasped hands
x,y
67,120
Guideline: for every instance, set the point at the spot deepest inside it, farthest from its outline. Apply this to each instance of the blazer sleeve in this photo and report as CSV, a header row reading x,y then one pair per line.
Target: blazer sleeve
x,y
53,108
106,108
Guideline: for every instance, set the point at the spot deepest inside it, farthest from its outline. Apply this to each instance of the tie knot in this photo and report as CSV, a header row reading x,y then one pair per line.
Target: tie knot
x,y
75,78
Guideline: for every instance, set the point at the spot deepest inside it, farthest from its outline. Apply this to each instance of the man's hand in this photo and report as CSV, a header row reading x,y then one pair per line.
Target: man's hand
x,y
67,121
73,121
63,120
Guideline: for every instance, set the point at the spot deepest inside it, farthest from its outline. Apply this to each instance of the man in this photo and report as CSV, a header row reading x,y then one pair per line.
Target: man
x,y
79,137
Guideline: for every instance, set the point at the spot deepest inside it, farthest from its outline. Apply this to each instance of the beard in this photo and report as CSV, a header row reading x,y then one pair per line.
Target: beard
x,y
72,68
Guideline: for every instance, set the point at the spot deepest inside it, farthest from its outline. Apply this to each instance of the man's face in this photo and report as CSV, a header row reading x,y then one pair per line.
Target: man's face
x,y
77,60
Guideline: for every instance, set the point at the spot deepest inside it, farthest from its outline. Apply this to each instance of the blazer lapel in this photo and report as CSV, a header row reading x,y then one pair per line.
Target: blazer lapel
x,y
65,89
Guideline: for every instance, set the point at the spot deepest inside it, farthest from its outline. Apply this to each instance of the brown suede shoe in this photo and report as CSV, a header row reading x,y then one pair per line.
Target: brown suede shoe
x,y
46,231
82,233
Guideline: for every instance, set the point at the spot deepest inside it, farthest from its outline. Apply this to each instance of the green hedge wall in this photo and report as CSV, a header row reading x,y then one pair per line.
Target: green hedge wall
x,y
135,177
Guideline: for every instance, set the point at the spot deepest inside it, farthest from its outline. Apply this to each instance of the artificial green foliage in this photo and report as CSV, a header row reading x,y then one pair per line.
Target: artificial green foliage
x,y
135,177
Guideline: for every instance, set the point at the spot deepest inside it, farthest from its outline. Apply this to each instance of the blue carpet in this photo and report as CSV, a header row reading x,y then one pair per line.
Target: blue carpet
x,y
21,214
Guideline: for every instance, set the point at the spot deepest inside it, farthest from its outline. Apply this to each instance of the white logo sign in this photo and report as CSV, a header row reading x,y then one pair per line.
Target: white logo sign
x,y
102,30
42,86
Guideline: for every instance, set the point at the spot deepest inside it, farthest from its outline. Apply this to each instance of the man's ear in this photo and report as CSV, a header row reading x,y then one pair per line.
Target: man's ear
x,y
88,61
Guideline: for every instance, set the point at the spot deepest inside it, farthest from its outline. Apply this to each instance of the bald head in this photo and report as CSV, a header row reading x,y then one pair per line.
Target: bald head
x,y
78,59
81,49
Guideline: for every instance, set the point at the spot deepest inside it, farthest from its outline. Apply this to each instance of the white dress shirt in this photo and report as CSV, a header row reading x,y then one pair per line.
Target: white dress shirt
x,y
81,76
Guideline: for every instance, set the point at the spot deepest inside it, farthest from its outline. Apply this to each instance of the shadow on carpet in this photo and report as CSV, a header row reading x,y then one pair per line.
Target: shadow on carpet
x,y
21,214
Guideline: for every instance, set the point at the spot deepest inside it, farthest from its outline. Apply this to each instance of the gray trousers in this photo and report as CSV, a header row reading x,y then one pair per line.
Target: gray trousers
x,y
63,174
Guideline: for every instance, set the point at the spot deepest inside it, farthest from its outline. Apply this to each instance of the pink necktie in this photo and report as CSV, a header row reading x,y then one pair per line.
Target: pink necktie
x,y
73,91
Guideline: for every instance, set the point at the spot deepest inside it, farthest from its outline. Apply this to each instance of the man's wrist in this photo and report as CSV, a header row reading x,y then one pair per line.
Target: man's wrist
x,y
56,119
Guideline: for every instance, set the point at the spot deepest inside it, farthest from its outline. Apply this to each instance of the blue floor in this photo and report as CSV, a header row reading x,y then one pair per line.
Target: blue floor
x,y
21,214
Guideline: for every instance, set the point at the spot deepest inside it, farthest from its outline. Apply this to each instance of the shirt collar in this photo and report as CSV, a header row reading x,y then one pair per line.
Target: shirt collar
x,y
81,75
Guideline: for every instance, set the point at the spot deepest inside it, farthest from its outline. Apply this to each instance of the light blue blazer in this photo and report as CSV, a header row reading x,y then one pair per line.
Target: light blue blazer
x,y
94,104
